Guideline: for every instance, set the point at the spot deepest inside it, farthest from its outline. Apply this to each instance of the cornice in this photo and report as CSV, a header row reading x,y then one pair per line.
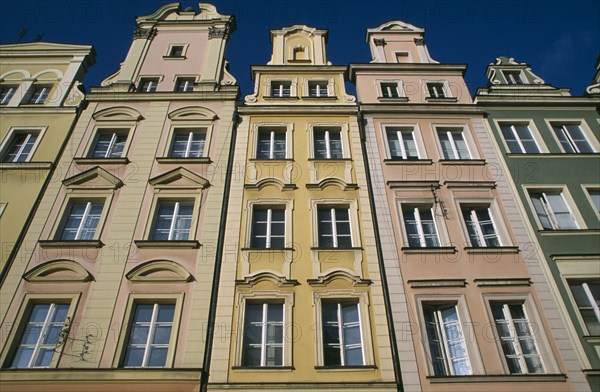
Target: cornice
x,y
353,69
163,96
535,100
38,110
341,109
420,108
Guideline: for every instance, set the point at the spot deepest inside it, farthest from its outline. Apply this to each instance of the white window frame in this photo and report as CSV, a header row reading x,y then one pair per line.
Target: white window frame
x,y
269,223
587,134
327,92
399,88
288,128
344,133
265,203
41,99
352,207
264,329
9,138
191,132
170,50
174,217
334,223
188,81
584,283
445,89
548,208
328,148
154,81
279,89
417,214
449,130
473,215
518,138
400,129
10,89
86,214
114,132
272,132
587,189
509,76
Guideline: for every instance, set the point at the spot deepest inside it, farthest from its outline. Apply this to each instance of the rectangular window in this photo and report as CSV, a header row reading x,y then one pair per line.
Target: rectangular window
x,y
188,143
281,89
519,139
595,196
184,85
20,146
420,227
82,220
436,90
402,143
334,227
342,336
513,77
149,335
41,335
148,85
480,226
109,143
176,51
389,90
263,335
587,298
39,93
453,144
6,93
317,89
517,338
447,346
552,210
572,139
328,144
268,228
271,144
402,57
173,221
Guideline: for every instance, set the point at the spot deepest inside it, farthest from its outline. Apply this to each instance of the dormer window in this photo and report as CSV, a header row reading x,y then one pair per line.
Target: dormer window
x,y
147,85
39,93
436,90
6,93
317,89
281,88
513,77
184,85
389,90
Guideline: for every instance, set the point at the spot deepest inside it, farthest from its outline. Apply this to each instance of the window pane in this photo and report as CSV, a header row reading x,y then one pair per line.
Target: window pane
x,y
579,138
446,146
335,140
538,205
461,145
561,212
133,357
158,357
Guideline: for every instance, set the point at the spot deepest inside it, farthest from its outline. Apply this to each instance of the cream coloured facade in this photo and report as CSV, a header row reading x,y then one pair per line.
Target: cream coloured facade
x,y
40,99
462,270
301,302
112,286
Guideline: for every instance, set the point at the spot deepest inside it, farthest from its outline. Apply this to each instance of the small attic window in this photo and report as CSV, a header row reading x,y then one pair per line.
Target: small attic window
x,y
299,53
176,51
402,57
513,77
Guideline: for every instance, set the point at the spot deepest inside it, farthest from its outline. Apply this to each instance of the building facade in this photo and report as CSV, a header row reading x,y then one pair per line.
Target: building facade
x,y
548,141
471,308
40,99
301,302
113,284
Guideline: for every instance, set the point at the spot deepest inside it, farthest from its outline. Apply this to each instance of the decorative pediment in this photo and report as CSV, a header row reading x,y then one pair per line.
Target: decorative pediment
x,y
120,113
179,178
159,271
332,181
268,276
332,275
94,178
397,25
195,113
270,181
57,271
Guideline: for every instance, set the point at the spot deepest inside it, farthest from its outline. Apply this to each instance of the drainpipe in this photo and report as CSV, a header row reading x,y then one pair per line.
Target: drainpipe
x,y
212,310
384,284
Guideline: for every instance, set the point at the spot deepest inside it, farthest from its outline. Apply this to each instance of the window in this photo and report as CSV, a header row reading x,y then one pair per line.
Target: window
x,y
172,221
263,334
595,196
517,338
342,335
587,298
39,93
41,335
6,93
328,144
188,143
109,143
176,51
334,227
317,89
20,146
281,89
453,144
389,90
421,229
480,226
268,228
149,335
513,77
402,57
82,220
184,85
271,144
552,210
447,346
519,139
436,90
147,85
571,138
402,143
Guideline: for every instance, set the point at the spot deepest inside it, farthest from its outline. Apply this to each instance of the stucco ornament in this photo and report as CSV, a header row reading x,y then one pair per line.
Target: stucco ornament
x,y
141,33
76,95
218,32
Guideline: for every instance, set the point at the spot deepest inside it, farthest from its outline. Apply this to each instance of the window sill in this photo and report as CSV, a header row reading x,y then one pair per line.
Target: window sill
x,y
271,250
326,97
271,160
71,244
183,160
553,155
569,232
26,165
328,159
346,368
336,249
174,57
190,244
262,368
280,98
592,339
408,161
431,249
392,99
440,99
498,378
495,249
101,161
462,161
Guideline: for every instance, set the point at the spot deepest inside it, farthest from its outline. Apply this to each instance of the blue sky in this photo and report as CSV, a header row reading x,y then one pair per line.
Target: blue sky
x,y
559,39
